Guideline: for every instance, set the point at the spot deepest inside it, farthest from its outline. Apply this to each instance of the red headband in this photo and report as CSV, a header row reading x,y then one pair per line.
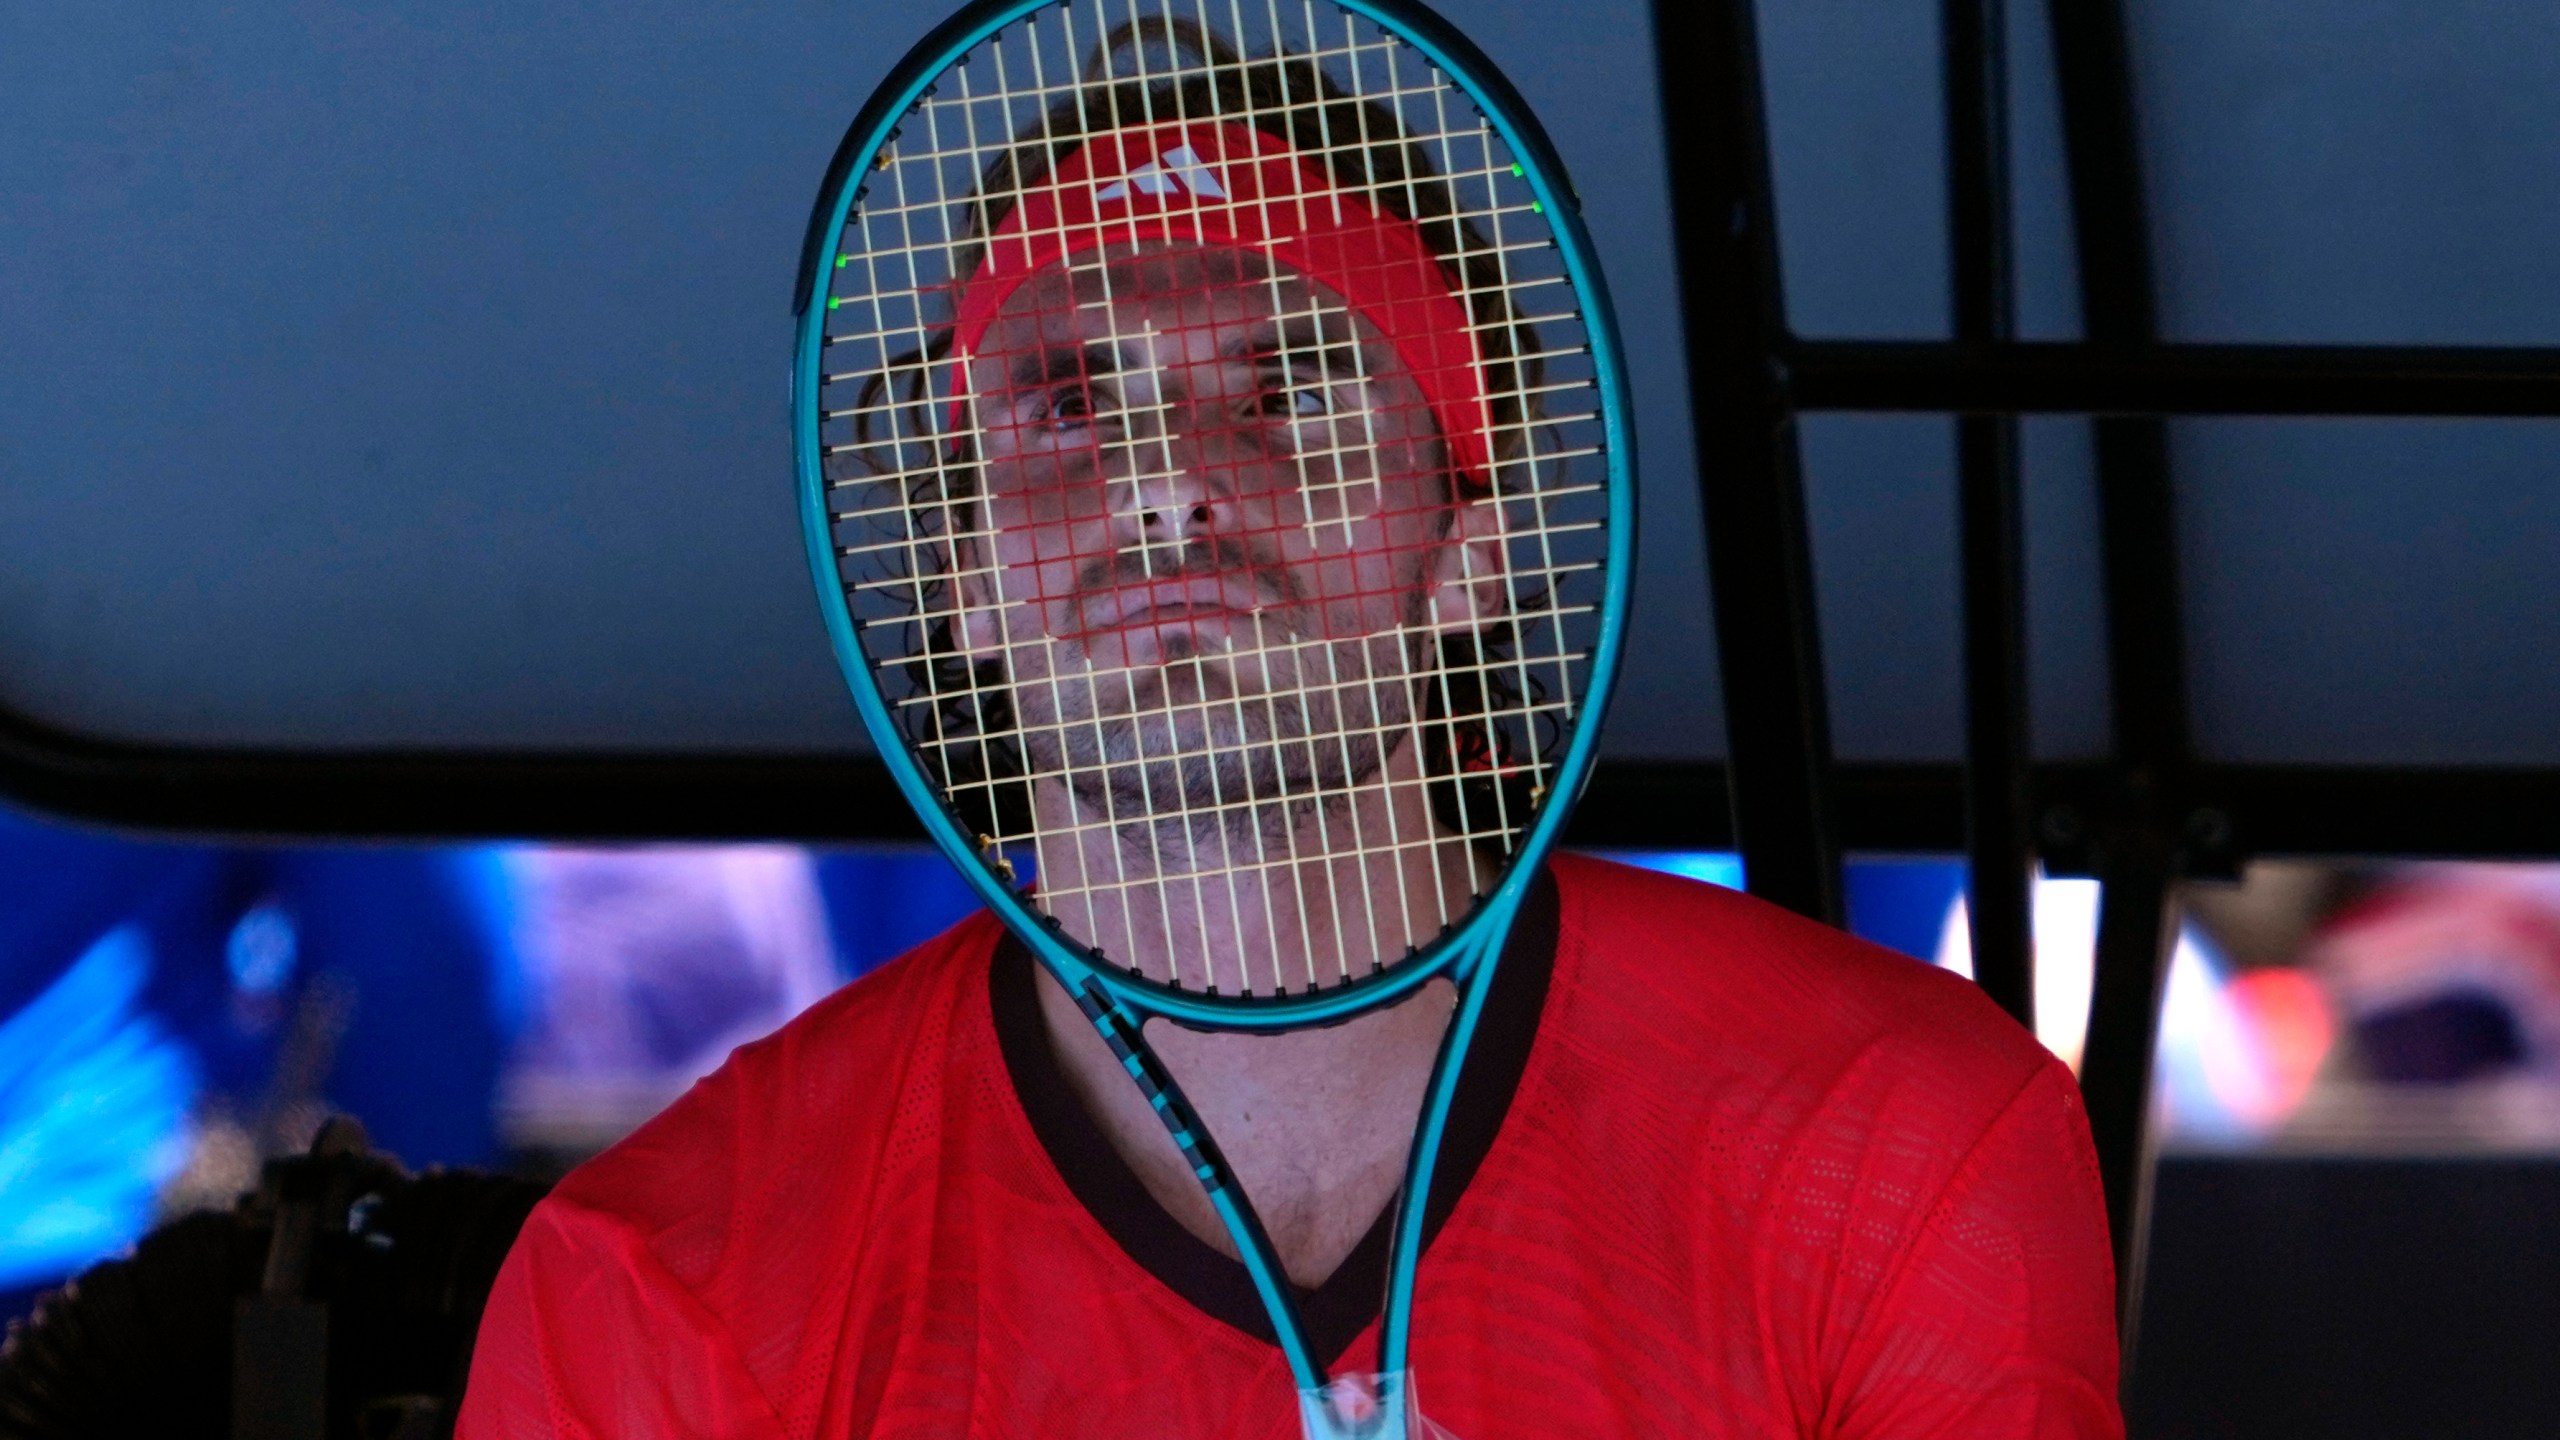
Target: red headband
x,y
1218,183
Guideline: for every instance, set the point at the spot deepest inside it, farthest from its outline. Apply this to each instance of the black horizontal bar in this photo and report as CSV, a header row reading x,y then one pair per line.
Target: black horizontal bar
x,y
2078,378
444,795
2484,813
1679,805
2488,813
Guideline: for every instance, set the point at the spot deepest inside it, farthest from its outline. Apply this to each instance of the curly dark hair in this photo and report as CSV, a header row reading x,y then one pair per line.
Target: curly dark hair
x,y
1475,711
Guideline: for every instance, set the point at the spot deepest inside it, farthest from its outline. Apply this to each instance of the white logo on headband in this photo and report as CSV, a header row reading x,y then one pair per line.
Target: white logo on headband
x,y
1177,169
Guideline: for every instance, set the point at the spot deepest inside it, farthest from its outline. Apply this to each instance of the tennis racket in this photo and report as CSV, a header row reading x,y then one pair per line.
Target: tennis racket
x,y
1215,464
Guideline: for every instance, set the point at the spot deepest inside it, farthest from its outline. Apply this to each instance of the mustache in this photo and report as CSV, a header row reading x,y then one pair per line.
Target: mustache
x,y
1206,557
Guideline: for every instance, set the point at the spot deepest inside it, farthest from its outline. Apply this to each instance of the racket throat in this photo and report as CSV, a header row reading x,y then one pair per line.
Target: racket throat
x,y
1376,1406
1120,1030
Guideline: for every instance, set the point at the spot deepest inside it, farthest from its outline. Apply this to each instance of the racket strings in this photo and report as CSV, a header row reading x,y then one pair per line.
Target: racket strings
x,y
1196,867
1300,794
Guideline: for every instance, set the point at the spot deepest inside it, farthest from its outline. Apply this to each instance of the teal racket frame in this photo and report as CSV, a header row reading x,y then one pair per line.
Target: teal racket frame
x,y
1117,1003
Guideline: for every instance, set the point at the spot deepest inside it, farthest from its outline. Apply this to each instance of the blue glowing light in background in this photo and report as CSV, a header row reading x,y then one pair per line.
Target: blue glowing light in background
x,y
165,1030
260,951
94,1102
531,1000
1716,867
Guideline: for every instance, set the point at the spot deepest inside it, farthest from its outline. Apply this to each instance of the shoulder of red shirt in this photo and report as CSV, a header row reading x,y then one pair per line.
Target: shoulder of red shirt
x,y
1720,988
789,1124
1760,985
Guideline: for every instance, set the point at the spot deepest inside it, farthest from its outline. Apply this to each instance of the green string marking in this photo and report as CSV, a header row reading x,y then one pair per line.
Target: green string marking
x,y
844,260
1516,170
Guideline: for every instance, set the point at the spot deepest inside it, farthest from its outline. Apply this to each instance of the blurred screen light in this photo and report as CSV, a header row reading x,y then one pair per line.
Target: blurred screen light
x,y
94,1100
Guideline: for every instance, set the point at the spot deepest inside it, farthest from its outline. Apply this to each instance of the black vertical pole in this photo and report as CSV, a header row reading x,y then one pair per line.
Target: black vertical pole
x,y
2137,847
1999,840
1759,560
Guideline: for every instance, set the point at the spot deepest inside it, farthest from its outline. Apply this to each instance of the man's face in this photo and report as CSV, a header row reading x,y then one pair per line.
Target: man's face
x,y
1222,531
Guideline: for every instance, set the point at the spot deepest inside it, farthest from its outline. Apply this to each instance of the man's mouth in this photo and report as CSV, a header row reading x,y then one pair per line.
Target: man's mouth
x,y
1177,601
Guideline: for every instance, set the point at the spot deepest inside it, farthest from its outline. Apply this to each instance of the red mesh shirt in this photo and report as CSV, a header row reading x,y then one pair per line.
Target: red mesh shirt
x,y
1715,1171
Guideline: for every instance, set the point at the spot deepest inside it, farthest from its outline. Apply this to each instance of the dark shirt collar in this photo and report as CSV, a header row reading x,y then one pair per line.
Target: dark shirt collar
x,y
1339,1309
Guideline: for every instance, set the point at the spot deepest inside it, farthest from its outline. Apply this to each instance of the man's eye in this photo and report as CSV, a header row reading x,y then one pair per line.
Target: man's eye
x,y
1069,405
1300,401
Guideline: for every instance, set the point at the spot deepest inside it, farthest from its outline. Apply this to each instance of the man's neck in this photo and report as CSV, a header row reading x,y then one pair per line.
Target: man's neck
x,y
1315,1122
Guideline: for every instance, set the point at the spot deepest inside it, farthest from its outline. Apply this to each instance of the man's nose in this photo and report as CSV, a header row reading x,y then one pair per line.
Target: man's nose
x,y
1184,476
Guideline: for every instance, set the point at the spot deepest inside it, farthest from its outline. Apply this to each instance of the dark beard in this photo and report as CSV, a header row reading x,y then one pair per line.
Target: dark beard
x,y
1194,777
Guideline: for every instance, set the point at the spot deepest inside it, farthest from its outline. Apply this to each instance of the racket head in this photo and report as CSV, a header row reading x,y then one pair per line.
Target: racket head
x,y
888,513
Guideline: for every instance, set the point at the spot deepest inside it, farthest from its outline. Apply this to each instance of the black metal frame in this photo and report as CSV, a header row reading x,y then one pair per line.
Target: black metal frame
x,y
2139,377
1999,823
1631,804
2153,813
2139,857
1759,557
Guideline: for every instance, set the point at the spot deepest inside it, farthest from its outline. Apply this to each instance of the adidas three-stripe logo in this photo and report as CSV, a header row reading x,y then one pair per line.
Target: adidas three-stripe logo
x,y
1177,169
